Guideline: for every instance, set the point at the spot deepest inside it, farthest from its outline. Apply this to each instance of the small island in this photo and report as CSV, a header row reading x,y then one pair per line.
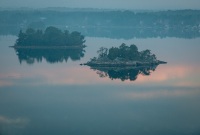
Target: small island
x,y
123,56
52,45
51,37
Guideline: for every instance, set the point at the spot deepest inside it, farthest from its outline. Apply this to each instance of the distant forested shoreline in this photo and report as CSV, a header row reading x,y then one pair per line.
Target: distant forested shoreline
x,y
105,23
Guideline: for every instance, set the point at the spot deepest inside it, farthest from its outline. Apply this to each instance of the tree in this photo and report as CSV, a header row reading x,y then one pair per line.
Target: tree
x,y
67,36
39,37
123,49
113,53
76,38
31,38
21,38
102,52
53,36
145,55
133,53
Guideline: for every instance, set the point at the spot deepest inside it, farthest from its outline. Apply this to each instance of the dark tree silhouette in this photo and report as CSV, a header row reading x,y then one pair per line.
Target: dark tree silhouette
x,y
125,53
52,36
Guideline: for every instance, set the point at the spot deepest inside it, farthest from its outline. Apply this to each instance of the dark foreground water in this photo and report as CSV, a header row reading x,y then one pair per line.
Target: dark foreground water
x,y
49,94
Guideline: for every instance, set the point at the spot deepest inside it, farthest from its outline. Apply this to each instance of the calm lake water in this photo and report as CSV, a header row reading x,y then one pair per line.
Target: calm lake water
x,y
58,96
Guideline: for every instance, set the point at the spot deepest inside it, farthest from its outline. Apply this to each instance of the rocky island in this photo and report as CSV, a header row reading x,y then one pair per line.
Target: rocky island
x,y
50,38
123,56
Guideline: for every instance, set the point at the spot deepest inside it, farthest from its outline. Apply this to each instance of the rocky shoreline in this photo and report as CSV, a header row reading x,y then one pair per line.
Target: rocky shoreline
x,y
122,63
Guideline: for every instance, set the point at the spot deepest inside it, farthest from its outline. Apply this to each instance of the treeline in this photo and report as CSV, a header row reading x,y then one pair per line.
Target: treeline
x,y
97,23
178,18
52,36
124,53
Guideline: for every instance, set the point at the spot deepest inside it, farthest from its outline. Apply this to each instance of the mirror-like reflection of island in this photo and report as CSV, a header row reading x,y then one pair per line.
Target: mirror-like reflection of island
x,y
124,73
30,56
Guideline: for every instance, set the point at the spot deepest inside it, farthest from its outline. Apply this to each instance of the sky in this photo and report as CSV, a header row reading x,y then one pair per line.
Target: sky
x,y
105,4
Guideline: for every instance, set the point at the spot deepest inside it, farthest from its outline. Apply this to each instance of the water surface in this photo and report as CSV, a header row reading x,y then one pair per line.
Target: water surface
x,y
62,97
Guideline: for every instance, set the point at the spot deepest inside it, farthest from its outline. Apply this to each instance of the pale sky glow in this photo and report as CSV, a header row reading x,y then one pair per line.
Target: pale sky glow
x,y
107,4
183,75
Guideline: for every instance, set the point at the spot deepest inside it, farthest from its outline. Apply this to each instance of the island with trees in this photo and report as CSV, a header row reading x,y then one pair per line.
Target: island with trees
x,y
51,37
52,44
123,56
123,62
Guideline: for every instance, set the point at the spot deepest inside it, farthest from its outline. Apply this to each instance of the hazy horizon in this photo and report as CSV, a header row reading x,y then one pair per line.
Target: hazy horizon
x,y
105,4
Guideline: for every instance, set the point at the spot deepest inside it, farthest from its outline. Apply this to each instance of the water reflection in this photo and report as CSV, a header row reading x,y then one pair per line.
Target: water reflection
x,y
10,126
31,56
123,73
